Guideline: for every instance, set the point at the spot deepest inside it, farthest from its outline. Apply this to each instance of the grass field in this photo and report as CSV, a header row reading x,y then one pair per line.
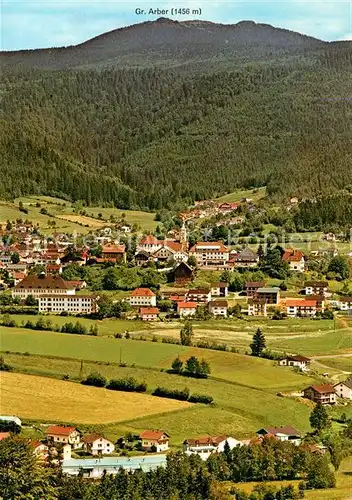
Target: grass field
x,y
40,398
343,364
343,490
105,327
65,219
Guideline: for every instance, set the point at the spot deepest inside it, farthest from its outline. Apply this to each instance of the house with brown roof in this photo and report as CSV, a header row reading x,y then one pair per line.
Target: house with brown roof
x,y
251,287
256,307
218,308
58,434
183,274
44,284
114,252
187,309
285,433
344,389
142,297
97,445
201,295
40,450
296,361
204,446
154,439
316,288
345,304
149,313
324,394
220,289
244,258
295,259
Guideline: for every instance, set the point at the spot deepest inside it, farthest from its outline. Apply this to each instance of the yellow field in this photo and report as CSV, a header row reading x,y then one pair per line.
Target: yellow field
x,y
28,396
81,219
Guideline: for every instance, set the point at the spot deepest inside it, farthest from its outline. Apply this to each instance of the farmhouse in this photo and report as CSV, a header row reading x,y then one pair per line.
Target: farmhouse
x,y
251,287
42,285
257,307
41,450
219,289
269,295
183,274
344,389
301,308
142,297
295,259
324,394
218,308
206,445
97,445
155,439
116,253
57,434
142,258
297,361
201,295
286,433
245,258
148,313
186,309
316,287
210,253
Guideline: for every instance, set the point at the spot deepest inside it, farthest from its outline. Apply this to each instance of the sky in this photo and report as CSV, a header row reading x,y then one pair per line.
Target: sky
x,y
29,24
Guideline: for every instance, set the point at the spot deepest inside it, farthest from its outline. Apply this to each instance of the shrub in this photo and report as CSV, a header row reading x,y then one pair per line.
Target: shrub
x,y
163,392
95,379
129,384
4,367
201,398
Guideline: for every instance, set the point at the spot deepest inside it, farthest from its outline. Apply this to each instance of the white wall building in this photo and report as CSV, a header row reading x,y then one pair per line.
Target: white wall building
x,y
72,304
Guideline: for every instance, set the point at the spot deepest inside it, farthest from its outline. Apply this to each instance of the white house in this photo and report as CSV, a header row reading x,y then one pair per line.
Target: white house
x,y
285,433
58,434
344,389
142,297
202,295
186,309
219,289
345,304
295,259
316,287
154,439
257,307
297,361
206,445
301,308
148,313
149,244
98,445
218,308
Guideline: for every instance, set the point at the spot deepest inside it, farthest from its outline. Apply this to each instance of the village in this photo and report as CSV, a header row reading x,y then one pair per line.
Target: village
x,y
179,282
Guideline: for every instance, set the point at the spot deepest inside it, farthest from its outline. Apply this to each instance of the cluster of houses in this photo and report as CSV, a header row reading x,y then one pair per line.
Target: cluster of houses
x,y
154,443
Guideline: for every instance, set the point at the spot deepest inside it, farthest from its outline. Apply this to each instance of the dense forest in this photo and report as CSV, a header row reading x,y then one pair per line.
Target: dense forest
x,y
160,137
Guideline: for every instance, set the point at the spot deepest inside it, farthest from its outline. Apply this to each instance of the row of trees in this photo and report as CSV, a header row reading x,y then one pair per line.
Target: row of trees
x,y
22,476
192,367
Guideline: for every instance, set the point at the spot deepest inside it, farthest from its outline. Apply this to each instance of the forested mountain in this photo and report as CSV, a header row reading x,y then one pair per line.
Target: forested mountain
x,y
228,107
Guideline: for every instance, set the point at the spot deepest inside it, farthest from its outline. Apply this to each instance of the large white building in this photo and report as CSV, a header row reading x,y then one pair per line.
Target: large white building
x,y
142,297
43,284
210,253
206,445
72,304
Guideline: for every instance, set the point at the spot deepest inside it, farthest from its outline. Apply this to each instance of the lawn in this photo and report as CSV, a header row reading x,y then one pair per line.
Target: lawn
x,y
254,194
65,218
341,363
105,327
39,398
